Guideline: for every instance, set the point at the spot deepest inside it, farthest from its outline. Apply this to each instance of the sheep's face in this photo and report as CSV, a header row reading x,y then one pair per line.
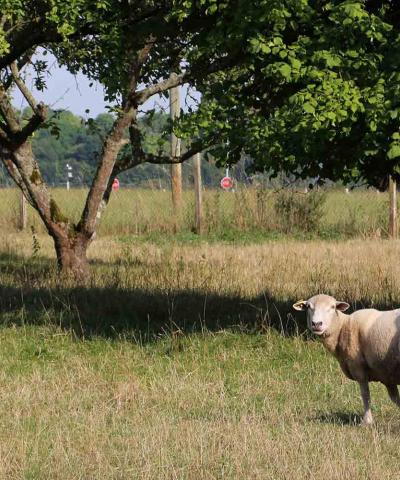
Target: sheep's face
x,y
322,312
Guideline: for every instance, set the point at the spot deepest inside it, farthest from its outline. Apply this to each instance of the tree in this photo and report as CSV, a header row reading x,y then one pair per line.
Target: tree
x,y
123,44
318,95
309,87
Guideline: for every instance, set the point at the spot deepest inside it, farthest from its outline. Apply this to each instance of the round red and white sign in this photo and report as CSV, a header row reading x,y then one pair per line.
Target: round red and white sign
x,y
115,185
226,183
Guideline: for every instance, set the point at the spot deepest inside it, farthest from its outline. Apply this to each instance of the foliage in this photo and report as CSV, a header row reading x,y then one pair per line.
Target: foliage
x,y
317,94
137,50
309,88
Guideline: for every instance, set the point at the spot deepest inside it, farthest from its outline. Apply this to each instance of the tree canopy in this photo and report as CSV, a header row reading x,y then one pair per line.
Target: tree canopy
x,y
317,95
302,86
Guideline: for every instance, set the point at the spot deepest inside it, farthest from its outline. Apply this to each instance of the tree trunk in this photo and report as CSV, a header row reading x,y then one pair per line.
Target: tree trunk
x,y
71,254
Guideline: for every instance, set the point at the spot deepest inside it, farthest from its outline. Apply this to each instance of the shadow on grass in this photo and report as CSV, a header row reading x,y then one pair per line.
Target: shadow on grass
x,y
338,418
132,313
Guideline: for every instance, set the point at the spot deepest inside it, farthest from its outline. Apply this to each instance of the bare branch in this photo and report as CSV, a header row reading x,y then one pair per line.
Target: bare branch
x,y
167,160
139,156
112,146
25,59
22,87
19,135
29,170
100,188
134,70
175,79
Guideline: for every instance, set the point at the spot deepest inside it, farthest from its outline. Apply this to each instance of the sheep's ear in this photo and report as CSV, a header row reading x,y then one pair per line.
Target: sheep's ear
x,y
342,306
301,305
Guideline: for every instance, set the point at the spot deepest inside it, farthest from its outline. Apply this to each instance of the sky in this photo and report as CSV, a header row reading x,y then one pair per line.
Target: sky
x,y
74,93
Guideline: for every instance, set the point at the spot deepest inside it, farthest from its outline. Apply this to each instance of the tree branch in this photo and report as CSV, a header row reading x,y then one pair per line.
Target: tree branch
x,y
111,148
37,31
18,135
8,112
14,174
139,156
22,87
33,124
173,80
26,58
3,135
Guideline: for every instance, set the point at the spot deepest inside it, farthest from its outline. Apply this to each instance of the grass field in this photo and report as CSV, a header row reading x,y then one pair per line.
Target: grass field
x,y
248,213
213,406
184,361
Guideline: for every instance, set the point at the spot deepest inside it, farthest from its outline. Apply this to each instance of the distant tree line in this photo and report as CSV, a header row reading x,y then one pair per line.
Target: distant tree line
x,y
70,139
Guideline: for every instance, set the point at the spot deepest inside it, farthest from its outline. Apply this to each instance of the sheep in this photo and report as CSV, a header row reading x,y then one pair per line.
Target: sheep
x,y
366,343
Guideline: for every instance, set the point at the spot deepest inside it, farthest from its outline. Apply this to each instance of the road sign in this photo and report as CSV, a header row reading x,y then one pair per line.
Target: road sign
x,y
226,183
115,185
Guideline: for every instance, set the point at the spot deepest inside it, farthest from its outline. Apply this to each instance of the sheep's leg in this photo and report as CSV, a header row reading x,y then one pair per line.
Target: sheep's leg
x,y
393,394
366,398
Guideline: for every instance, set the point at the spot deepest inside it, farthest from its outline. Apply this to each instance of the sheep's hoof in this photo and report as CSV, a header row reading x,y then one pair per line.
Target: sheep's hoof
x,y
367,420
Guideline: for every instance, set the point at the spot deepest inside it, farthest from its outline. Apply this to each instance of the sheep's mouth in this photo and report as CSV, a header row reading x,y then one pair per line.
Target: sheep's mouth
x,y
318,330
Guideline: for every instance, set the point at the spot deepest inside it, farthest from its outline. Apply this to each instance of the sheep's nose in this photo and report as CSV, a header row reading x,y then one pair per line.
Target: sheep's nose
x,y
317,324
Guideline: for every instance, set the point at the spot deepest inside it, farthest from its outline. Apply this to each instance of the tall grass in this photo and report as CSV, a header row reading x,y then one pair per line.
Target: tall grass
x,y
152,285
247,210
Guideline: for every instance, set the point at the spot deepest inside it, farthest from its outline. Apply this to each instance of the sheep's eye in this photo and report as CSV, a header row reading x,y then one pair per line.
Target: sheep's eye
x,y
333,306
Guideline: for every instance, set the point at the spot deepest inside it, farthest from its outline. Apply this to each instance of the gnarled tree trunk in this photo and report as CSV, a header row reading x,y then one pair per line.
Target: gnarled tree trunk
x,y
71,254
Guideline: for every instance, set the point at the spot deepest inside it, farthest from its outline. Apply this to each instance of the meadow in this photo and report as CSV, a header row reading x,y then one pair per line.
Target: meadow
x,y
181,358
249,212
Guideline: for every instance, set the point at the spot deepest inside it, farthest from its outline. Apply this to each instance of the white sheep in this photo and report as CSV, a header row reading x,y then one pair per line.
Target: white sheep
x,y
366,343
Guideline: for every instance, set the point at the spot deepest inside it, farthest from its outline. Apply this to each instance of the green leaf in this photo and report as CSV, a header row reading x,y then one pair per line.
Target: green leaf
x,y
285,70
308,108
394,151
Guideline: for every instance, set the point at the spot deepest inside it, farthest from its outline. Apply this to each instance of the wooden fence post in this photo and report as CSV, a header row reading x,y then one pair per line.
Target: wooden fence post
x,y
392,208
198,226
23,212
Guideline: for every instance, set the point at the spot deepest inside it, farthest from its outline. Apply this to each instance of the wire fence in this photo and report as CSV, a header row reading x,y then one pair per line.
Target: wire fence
x,y
326,213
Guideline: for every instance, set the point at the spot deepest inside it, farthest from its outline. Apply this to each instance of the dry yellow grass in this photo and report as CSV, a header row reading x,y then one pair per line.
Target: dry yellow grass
x,y
357,270
220,404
